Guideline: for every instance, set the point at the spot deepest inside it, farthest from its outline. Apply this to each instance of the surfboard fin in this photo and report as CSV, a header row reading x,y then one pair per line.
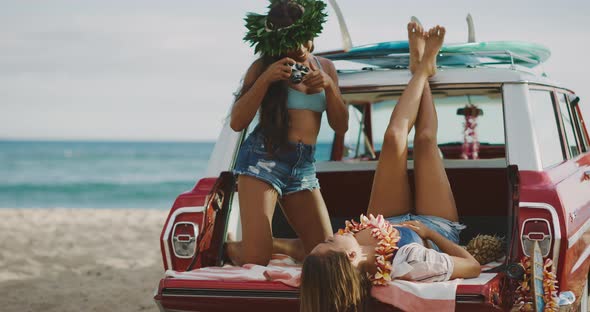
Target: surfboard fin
x,y
346,40
415,20
471,29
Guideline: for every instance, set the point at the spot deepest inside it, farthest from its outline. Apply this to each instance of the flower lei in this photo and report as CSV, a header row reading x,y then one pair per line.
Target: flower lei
x,y
523,292
470,148
275,42
387,235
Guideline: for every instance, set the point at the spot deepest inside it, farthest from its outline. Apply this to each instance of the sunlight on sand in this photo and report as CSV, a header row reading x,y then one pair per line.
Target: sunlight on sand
x,y
73,259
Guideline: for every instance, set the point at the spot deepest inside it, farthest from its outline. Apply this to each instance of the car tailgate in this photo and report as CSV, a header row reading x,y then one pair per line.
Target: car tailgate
x,y
203,295
192,295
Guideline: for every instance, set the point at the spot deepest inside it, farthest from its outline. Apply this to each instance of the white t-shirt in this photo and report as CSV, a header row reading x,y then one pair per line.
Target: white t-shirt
x,y
422,264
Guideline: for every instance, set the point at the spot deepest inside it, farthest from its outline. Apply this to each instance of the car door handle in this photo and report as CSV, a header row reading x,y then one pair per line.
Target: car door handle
x,y
586,176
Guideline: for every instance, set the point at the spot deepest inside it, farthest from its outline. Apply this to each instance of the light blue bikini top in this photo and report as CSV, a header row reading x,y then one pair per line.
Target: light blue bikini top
x,y
298,100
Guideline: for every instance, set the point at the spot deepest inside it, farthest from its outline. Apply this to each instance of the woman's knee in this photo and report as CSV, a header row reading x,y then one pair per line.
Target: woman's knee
x,y
395,138
425,138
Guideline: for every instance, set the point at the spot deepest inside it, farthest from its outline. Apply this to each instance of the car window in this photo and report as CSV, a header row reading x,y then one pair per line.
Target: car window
x,y
355,139
580,128
450,105
545,127
566,118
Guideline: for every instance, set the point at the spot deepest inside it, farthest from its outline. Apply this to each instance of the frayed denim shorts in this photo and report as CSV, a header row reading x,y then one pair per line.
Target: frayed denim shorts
x,y
444,227
288,169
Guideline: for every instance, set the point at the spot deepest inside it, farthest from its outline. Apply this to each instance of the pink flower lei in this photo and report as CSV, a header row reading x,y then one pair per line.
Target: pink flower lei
x,y
387,235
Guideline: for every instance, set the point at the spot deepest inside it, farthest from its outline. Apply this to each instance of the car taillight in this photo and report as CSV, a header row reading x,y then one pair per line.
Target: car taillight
x,y
536,230
184,239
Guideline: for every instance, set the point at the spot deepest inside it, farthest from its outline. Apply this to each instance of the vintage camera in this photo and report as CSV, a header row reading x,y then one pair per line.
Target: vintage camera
x,y
298,71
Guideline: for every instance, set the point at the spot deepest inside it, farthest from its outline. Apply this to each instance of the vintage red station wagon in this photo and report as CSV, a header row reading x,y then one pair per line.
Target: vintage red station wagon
x,y
522,173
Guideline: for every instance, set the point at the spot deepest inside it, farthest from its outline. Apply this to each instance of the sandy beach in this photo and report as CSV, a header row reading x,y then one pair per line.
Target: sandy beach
x,y
79,259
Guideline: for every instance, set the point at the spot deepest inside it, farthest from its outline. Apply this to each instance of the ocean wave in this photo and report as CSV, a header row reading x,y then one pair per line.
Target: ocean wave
x,y
98,174
93,195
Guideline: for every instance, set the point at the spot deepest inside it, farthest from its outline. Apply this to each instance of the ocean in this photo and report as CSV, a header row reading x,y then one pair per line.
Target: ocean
x,y
67,174
50,174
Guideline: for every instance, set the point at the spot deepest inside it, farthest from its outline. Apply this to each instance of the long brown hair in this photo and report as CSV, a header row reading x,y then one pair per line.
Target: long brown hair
x,y
274,117
330,283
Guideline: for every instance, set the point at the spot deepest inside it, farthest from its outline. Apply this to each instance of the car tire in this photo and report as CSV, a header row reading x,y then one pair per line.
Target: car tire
x,y
584,301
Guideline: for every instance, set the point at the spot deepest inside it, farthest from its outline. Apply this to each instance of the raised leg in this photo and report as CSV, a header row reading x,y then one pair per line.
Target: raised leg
x,y
433,192
308,215
390,194
257,204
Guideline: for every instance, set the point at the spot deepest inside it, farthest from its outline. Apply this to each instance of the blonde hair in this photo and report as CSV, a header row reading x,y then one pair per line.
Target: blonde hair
x,y
329,282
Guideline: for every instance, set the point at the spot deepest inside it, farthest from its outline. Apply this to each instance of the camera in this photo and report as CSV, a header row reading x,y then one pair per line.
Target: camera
x,y
298,71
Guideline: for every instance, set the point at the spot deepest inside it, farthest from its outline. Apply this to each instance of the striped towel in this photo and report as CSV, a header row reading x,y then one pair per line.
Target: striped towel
x,y
281,268
405,295
415,296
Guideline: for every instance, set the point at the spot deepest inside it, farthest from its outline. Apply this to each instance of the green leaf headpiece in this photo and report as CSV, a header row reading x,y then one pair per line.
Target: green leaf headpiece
x,y
275,42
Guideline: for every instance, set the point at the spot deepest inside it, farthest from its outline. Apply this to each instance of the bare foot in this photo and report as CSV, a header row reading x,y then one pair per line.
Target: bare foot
x,y
434,41
416,39
232,248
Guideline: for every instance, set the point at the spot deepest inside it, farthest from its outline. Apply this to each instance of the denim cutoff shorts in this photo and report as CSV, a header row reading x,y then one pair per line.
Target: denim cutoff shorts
x,y
288,169
444,227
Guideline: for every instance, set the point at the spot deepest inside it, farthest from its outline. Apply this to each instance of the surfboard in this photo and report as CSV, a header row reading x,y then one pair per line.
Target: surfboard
x,y
381,48
395,54
536,283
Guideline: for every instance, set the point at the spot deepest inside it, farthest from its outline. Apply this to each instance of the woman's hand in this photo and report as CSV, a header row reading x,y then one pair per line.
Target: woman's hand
x,y
422,229
317,78
279,70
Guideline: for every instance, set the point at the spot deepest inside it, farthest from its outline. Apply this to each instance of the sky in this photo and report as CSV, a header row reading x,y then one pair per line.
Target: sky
x,y
166,70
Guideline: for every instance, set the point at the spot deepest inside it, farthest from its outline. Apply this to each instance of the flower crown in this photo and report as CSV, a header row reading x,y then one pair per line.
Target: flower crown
x,y
275,42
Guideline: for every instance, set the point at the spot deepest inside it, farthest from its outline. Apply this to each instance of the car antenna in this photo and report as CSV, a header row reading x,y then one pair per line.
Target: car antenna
x,y
471,29
346,40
